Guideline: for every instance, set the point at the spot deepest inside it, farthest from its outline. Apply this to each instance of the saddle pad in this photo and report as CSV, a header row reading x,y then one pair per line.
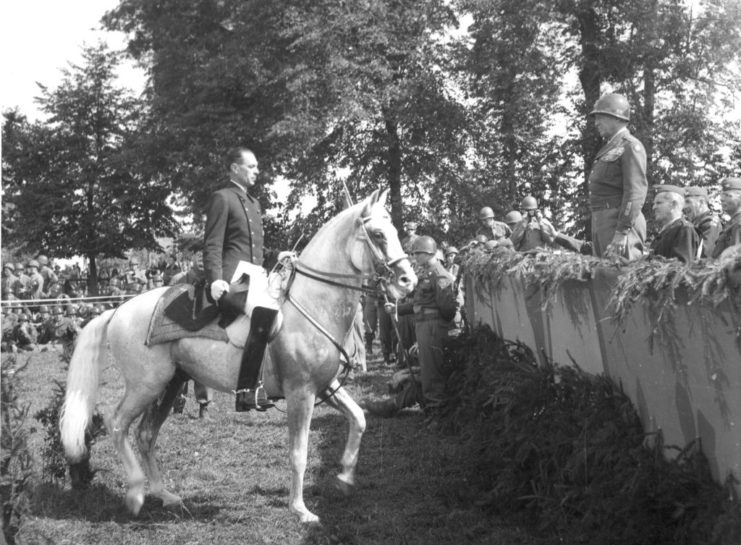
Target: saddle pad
x,y
174,317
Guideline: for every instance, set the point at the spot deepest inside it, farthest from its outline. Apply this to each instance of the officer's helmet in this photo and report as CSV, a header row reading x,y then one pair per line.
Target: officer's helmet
x,y
486,213
33,263
529,203
513,217
612,104
424,244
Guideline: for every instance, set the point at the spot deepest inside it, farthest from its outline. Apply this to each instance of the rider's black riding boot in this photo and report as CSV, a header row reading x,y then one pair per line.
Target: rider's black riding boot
x,y
250,393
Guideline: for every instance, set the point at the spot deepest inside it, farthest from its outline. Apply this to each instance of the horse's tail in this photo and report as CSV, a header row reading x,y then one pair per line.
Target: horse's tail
x,y
82,386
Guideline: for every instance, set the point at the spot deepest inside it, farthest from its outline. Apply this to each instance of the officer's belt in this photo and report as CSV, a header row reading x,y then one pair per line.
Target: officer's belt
x,y
426,314
606,204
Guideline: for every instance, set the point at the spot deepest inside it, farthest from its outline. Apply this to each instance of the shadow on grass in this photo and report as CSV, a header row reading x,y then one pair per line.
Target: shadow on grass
x,y
99,503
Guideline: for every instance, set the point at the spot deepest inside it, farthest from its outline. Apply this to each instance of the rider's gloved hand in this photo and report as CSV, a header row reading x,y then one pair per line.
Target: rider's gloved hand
x,y
219,288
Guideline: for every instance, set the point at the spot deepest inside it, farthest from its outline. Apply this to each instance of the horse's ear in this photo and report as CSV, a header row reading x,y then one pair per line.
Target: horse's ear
x,y
383,195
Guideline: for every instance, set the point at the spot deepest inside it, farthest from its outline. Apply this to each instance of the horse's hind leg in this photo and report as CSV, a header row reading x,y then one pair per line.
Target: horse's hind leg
x,y
342,401
149,428
134,402
300,407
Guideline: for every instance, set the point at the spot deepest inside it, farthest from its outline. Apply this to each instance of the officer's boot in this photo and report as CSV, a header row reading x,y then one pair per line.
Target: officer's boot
x,y
250,393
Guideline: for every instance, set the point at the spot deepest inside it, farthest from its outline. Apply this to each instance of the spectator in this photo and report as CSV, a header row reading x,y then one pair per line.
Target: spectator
x,y
677,237
20,289
533,231
617,183
8,283
47,273
171,269
35,287
451,255
410,230
24,335
730,200
490,228
706,222
512,218
135,279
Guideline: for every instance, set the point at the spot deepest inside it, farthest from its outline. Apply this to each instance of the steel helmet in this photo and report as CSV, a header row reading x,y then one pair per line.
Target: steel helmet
x,y
425,245
19,267
529,203
612,104
451,250
486,213
33,263
57,310
134,261
24,317
44,309
513,217
43,260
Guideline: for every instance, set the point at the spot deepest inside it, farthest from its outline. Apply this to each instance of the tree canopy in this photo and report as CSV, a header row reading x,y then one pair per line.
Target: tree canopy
x,y
451,105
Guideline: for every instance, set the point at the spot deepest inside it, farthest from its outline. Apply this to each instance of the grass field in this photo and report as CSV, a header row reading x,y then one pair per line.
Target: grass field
x,y
232,473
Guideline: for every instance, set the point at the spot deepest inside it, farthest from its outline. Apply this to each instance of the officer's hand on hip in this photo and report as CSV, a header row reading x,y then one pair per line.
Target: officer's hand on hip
x,y
618,245
219,288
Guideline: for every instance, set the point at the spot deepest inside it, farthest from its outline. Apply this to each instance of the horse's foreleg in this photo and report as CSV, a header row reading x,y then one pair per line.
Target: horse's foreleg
x,y
342,401
300,406
149,429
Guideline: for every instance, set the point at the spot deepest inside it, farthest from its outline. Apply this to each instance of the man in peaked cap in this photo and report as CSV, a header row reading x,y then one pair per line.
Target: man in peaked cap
x,y
617,183
677,238
706,222
730,201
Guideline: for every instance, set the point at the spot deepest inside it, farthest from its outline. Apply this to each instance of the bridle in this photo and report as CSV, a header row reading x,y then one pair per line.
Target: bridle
x,y
382,269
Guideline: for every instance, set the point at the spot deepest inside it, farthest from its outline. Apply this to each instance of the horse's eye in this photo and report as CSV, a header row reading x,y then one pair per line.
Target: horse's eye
x,y
378,235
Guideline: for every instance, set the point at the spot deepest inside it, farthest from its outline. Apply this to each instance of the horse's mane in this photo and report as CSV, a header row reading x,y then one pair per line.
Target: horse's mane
x,y
347,216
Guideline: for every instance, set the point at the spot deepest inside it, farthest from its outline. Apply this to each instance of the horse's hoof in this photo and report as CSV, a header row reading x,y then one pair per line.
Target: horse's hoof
x,y
305,516
347,488
170,500
134,501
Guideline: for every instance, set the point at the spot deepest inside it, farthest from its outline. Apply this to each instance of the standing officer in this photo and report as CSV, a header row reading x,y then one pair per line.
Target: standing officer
x,y
617,183
234,233
730,200
706,222
434,306
677,238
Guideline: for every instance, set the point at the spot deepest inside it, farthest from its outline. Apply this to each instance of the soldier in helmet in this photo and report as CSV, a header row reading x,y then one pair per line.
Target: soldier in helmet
x,y
24,334
35,280
135,280
512,218
490,227
533,231
47,273
20,288
706,221
410,230
617,183
730,200
434,307
451,254
8,282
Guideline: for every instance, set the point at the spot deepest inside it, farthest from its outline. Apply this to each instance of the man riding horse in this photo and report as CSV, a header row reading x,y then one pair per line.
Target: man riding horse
x,y
234,233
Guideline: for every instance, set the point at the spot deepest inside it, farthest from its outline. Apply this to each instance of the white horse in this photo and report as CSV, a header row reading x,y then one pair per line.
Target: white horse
x,y
302,362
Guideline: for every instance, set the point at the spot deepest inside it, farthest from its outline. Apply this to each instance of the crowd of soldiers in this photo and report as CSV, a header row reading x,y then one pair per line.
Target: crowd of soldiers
x,y
45,305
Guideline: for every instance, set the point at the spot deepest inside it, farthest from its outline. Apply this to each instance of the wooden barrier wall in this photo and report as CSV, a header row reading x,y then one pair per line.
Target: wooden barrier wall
x,y
683,373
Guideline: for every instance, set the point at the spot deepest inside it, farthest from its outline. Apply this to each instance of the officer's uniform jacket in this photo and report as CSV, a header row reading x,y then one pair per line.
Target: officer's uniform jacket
x,y
618,178
708,226
234,233
678,240
729,236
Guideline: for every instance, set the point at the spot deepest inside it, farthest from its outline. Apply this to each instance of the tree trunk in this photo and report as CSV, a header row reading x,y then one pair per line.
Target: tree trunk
x,y
590,77
92,275
393,163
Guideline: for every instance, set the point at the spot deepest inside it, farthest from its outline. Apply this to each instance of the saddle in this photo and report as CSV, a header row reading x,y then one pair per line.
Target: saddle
x,y
184,310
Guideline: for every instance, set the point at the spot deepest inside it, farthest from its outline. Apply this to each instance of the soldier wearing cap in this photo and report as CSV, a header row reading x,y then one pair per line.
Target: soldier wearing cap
x,y
617,183
490,228
677,237
135,280
706,221
730,201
